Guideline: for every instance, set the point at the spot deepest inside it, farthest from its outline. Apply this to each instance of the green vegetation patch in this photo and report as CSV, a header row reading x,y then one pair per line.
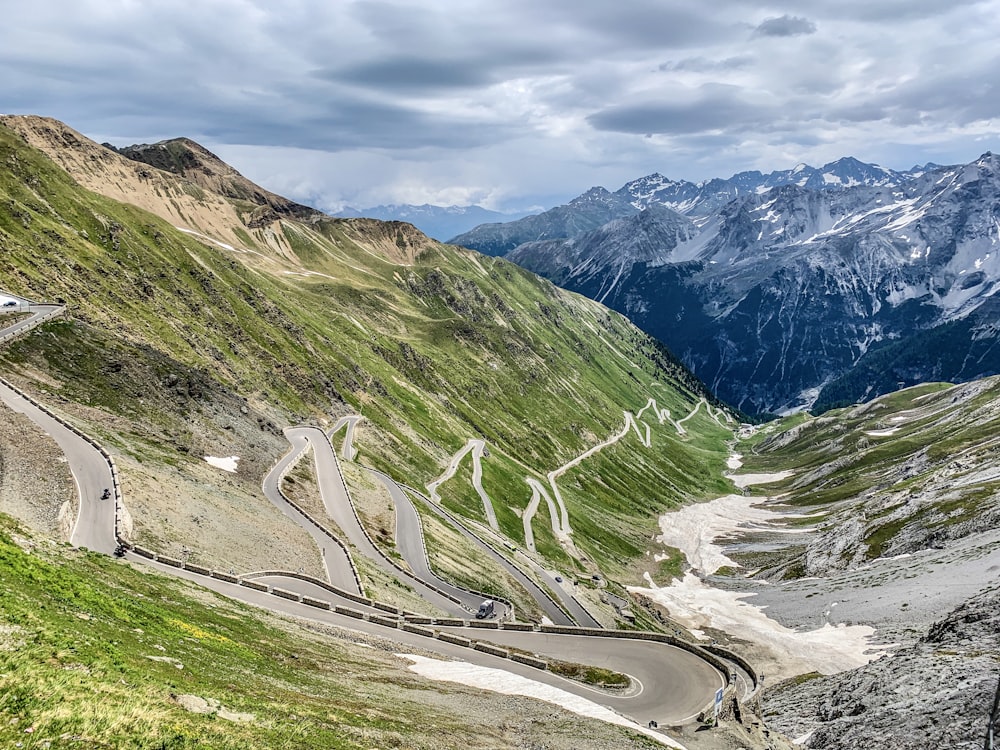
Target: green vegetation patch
x,y
597,676
95,653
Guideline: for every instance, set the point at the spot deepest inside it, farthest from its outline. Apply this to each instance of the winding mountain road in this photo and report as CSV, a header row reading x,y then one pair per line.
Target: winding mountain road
x,y
340,510
670,684
340,570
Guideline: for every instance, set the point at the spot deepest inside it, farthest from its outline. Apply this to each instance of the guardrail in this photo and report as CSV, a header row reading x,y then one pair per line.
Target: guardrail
x,y
314,522
59,311
310,579
393,563
33,323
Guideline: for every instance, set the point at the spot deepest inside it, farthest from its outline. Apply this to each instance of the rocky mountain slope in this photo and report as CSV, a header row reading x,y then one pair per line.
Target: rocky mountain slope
x,y
184,157
783,290
935,693
896,511
597,206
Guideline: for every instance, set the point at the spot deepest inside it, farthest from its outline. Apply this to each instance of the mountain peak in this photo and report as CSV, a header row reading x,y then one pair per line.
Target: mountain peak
x,y
177,155
192,161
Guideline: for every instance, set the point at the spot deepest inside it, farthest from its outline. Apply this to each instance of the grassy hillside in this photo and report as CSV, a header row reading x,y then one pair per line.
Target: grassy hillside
x,y
94,653
910,470
178,347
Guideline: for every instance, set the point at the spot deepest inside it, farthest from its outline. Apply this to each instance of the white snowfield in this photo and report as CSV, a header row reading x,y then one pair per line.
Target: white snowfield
x,y
748,480
229,463
882,433
828,649
506,683
695,529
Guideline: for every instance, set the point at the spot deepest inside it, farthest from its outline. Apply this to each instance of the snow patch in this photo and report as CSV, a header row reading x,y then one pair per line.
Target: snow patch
x,y
828,649
694,528
226,464
745,480
882,433
499,681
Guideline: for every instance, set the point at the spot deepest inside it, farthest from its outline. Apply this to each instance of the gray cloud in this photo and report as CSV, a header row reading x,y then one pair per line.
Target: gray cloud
x,y
704,65
715,108
785,26
412,73
516,98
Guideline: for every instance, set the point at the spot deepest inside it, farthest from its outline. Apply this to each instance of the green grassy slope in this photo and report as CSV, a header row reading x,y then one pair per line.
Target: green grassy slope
x,y
95,653
913,468
432,344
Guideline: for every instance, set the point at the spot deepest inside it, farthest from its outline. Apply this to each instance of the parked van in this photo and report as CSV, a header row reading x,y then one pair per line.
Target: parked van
x,y
485,609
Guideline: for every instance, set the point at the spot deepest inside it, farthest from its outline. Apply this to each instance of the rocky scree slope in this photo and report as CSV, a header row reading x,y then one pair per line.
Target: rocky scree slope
x,y
180,346
936,693
782,291
191,160
897,506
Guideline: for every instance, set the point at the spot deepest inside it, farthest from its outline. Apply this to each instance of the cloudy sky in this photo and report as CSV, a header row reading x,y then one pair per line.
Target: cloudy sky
x,y
513,103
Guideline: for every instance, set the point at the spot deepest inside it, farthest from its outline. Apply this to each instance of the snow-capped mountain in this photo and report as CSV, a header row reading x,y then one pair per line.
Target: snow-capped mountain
x,y
783,289
703,199
582,214
697,200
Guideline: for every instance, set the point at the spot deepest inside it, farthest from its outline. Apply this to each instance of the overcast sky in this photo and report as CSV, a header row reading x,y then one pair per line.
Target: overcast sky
x,y
511,103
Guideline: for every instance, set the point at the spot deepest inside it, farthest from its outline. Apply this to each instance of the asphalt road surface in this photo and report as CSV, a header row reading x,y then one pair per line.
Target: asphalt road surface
x,y
339,509
339,569
671,685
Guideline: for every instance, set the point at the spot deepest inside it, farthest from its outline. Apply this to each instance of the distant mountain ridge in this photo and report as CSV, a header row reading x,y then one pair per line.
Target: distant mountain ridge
x,y
699,200
772,287
439,222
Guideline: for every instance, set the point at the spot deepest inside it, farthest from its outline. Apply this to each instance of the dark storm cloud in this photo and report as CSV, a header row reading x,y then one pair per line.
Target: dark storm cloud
x,y
720,109
413,73
785,26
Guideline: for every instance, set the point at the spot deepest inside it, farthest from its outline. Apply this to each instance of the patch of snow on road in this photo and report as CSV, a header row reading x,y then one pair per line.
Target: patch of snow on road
x,y
226,464
734,461
882,433
506,683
